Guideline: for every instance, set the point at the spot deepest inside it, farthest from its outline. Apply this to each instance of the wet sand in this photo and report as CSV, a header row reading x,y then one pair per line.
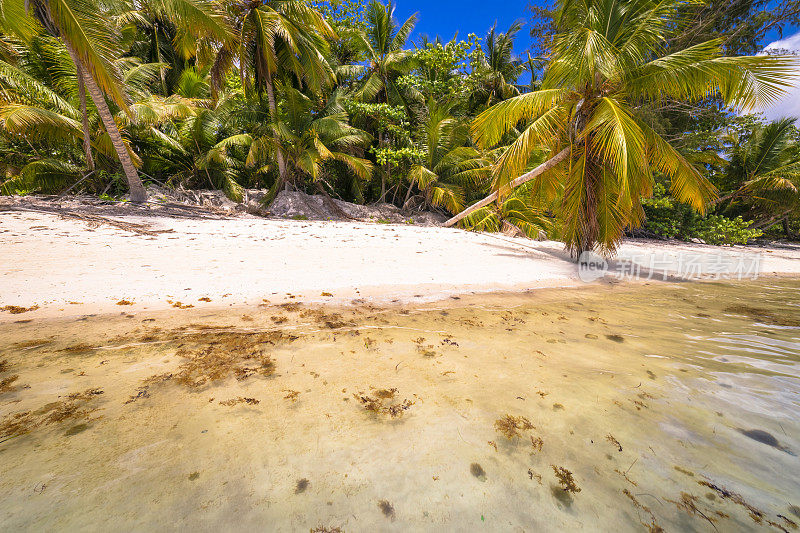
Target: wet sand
x,y
637,408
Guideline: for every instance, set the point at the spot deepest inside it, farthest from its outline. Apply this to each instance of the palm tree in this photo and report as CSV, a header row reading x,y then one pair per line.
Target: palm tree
x,y
87,34
518,214
199,149
382,46
495,68
310,138
605,61
763,175
277,38
448,164
175,34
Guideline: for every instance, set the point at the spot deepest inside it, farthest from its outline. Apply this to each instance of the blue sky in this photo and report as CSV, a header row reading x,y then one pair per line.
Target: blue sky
x,y
446,17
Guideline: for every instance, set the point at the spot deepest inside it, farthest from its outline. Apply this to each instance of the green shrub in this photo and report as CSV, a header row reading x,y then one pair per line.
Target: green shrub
x,y
717,229
668,218
671,219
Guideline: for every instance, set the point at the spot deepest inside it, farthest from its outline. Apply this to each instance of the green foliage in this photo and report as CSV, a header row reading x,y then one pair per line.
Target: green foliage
x,y
717,229
668,218
332,95
441,70
671,219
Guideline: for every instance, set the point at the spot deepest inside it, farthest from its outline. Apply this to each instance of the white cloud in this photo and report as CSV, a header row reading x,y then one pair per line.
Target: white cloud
x,y
789,105
790,43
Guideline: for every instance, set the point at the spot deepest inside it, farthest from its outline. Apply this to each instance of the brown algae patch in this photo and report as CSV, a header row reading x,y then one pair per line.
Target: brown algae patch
x,y
565,479
301,486
7,384
511,426
237,401
18,310
382,403
387,509
73,407
224,354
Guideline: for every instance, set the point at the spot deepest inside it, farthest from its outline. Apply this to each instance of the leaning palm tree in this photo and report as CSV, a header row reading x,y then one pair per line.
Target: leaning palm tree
x,y
606,60
87,34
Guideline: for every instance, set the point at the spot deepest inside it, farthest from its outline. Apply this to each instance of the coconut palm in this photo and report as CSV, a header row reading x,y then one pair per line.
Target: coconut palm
x,y
86,31
311,136
448,164
195,146
382,45
276,39
495,69
606,59
763,175
175,34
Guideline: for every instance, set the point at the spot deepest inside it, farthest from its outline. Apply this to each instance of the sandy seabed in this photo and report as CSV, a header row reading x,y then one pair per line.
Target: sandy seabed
x,y
660,408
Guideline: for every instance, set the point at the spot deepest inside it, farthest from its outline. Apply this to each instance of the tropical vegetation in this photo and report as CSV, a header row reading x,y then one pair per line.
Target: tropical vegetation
x,y
623,117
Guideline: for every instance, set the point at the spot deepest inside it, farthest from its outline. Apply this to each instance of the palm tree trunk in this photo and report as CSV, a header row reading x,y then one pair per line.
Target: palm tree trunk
x,y
383,174
87,142
388,176
138,194
273,109
769,221
547,165
786,230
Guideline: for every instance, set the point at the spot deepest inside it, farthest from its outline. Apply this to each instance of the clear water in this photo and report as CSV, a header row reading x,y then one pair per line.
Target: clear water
x,y
664,406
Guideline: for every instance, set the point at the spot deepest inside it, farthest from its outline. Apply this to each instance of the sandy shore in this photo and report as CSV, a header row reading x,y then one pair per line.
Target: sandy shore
x,y
69,266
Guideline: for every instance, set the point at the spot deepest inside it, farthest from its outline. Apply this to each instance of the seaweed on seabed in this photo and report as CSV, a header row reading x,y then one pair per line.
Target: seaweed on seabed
x,y
510,426
18,310
610,438
653,526
688,504
7,384
71,408
382,403
757,515
235,401
227,353
566,479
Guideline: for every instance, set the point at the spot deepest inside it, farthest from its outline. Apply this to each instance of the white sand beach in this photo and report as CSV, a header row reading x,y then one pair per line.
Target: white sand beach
x,y
70,266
